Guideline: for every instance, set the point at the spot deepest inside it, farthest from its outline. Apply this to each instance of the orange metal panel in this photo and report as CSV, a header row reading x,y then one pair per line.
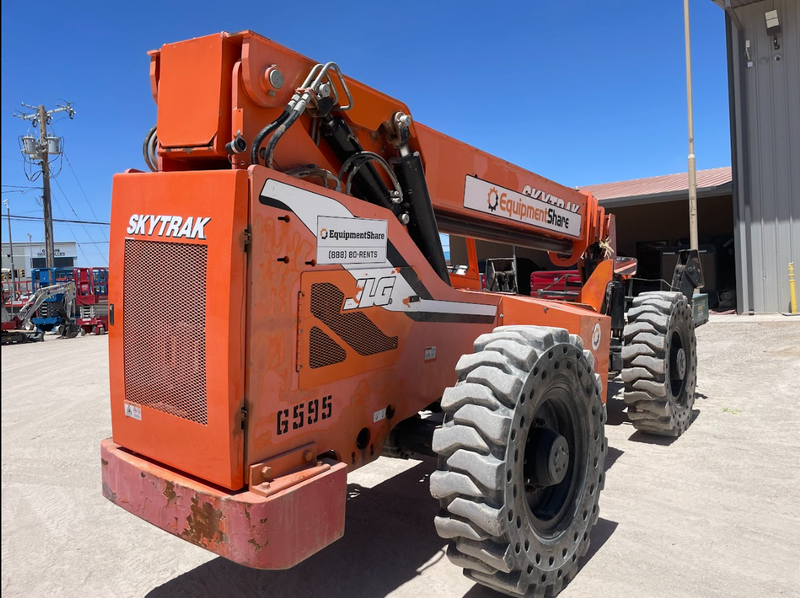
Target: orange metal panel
x,y
594,329
194,92
594,290
384,329
281,394
212,451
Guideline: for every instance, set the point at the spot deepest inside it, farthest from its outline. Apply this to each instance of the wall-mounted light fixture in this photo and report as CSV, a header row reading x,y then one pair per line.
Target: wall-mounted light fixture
x,y
773,26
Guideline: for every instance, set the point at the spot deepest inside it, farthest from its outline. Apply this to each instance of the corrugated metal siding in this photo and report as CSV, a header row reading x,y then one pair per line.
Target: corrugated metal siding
x,y
767,156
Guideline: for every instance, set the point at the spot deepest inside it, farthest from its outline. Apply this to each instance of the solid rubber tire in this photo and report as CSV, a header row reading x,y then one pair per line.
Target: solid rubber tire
x,y
653,405
488,413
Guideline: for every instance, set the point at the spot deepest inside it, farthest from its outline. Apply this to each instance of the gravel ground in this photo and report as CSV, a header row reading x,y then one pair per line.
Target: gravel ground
x,y
712,514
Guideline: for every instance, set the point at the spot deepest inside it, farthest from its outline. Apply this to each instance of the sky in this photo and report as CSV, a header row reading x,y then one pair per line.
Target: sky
x,y
579,91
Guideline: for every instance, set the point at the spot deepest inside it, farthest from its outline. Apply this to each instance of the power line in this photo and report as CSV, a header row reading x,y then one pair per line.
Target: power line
x,y
64,220
69,203
77,180
71,232
88,203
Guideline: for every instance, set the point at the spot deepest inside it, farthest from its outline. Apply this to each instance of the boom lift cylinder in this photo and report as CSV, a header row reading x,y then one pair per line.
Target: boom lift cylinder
x,y
422,222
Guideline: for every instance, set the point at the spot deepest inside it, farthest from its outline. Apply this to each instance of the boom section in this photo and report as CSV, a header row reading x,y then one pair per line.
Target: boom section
x,y
215,94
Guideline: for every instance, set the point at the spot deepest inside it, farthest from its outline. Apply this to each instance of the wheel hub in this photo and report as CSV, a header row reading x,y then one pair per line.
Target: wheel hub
x,y
552,458
680,362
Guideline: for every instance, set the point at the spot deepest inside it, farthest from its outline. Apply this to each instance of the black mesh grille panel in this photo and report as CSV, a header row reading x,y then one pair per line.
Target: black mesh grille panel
x,y
354,328
164,327
323,350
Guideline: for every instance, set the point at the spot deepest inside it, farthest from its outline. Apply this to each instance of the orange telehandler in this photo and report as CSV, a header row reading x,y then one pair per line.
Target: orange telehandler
x,y
281,311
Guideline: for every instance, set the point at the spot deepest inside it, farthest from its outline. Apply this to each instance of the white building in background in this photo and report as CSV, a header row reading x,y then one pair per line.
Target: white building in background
x,y
32,255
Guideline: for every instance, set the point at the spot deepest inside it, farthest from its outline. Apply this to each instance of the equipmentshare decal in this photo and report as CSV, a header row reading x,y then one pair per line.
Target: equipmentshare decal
x,y
596,336
383,282
537,209
351,240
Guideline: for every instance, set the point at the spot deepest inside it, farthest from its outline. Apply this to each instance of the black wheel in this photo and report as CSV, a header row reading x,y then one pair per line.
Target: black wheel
x,y
521,458
660,363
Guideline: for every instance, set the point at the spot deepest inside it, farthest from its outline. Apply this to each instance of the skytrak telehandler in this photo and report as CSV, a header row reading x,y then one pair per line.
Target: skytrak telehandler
x,y
310,316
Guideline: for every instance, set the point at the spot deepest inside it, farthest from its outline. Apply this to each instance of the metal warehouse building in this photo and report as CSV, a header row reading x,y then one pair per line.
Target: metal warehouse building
x,y
652,218
764,81
749,214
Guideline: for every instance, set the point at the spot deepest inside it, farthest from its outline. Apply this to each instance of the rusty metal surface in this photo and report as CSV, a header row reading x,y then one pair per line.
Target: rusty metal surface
x,y
292,460
287,481
274,532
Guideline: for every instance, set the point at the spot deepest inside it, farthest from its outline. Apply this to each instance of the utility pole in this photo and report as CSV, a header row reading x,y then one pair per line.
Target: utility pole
x,y
692,166
11,251
49,246
40,151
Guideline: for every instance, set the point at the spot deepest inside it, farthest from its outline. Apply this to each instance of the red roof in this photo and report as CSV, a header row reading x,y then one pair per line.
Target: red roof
x,y
670,183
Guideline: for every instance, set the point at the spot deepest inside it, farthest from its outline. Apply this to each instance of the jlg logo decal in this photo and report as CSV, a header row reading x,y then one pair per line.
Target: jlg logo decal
x,y
168,226
372,293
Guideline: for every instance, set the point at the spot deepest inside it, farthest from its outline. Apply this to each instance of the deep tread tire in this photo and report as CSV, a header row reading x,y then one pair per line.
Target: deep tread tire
x,y
481,445
655,405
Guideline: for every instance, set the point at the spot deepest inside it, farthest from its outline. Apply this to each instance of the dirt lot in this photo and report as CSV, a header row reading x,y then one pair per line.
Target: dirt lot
x,y
715,513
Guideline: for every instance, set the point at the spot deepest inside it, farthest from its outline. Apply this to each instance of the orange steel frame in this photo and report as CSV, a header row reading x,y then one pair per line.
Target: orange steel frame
x,y
252,461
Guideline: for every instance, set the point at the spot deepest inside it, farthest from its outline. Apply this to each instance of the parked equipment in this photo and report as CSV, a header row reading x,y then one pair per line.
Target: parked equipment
x,y
51,315
16,327
281,311
92,299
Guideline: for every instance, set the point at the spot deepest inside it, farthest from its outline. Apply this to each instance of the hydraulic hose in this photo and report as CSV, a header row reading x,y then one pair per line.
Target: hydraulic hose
x,y
262,134
283,126
367,183
146,149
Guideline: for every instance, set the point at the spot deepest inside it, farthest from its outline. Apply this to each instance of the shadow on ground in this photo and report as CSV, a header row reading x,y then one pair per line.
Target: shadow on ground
x,y
615,412
600,534
611,457
661,440
389,537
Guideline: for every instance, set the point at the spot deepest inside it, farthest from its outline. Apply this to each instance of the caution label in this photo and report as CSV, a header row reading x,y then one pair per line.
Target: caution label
x,y
134,411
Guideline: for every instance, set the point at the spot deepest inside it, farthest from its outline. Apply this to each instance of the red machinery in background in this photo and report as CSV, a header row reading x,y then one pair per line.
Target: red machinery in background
x,y
91,298
556,284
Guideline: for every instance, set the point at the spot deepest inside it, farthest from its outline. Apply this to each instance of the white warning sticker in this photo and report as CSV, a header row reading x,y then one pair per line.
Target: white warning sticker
x,y
379,415
351,240
133,411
